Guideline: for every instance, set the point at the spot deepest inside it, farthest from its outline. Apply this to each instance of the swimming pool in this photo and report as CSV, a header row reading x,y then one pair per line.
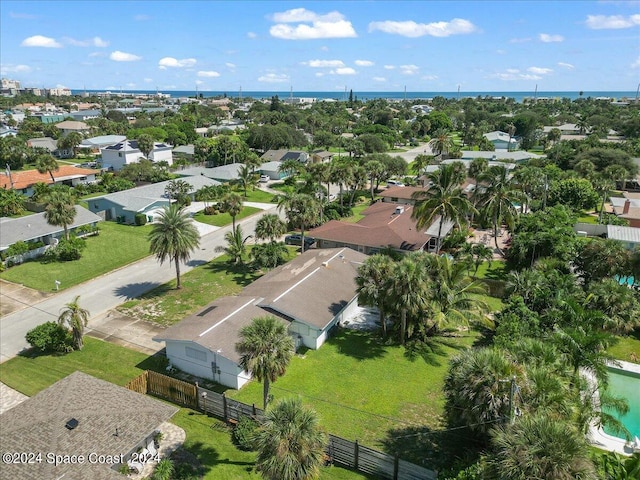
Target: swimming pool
x,y
626,384
625,280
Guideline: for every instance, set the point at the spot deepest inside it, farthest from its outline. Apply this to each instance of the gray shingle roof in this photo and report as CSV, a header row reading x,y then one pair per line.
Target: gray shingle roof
x,y
623,234
38,425
222,173
36,226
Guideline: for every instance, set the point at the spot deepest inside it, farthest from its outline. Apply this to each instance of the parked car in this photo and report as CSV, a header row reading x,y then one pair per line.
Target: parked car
x,y
296,239
394,183
264,178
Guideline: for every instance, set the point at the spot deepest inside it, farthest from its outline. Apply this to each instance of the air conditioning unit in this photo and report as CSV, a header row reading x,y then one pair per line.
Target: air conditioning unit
x,y
399,210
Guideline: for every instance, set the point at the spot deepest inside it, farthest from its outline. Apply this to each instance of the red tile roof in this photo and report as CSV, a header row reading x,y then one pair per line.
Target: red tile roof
x,y
380,227
26,178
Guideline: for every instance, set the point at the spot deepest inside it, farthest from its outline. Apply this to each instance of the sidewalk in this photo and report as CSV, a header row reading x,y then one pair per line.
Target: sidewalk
x,y
9,398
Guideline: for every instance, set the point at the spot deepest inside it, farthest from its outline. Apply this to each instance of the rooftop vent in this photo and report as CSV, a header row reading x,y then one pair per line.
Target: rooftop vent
x,y
71,424
399,210
325,264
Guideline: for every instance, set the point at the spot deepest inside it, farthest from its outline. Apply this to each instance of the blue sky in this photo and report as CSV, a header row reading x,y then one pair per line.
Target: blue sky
x,y
322,46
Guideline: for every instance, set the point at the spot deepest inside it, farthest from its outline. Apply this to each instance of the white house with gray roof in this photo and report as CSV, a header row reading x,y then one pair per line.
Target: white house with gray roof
x,y
127,152
311,295
34,228
149,199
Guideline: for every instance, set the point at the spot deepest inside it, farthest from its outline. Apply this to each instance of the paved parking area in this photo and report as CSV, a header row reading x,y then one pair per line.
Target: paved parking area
x,y
129,332
15,297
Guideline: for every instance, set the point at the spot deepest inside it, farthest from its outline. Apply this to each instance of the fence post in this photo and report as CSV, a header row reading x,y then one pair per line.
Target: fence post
x,y
224,407
355,454
396,465
253,405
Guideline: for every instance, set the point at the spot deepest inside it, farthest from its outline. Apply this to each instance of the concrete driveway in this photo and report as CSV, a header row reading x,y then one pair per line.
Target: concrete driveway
x,y
15,297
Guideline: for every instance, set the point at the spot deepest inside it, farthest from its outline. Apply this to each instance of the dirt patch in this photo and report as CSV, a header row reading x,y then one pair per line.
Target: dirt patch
x,y
15,297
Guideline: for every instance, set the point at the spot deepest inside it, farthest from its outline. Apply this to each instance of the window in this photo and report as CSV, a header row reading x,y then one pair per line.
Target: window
x,y
196,354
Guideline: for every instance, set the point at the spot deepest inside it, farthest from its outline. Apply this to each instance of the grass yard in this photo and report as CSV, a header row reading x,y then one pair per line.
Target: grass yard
x,y
357,213
166,305
259,196
366,390
497,270
222,219
116,246
116,364
210,440
586,218
627,348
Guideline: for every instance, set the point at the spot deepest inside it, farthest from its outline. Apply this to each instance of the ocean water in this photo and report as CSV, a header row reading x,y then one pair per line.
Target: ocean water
x,y
517,96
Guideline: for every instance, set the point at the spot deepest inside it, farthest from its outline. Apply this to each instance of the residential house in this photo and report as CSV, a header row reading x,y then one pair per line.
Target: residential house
x,y
311,295
628,236
70,126
400,195
127,152
627,207
385,225
51,146
96,143
24,181
565,129
272,170
321,156
518,156
150,199
82,115
79,415
222,173
502,140
283,155
7,132
185,152
35,228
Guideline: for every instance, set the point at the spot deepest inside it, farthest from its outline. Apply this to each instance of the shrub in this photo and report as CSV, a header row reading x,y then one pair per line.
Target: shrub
x,y
66,250
140,219
49,338
210,210
243,434
17,248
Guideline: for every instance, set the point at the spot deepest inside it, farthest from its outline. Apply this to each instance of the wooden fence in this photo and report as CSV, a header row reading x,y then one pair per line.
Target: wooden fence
x,y
340,451
172,389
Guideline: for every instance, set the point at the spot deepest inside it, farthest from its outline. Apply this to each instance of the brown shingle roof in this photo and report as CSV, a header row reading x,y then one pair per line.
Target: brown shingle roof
x,y
405,193
38,425
380,227
26,178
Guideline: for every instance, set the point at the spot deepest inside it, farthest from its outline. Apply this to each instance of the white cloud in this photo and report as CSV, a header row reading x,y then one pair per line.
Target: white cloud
x,y
130,85
611,22
430,77
97,54
566,65
119,56
310,25
93,42
170,62
343,71
324,48
539,70
14,69
148,80
319,74
40,41
379,79
199,82
273,78
208,73
520,40
230,65
636,64
457,26
511,74
389,67
364,63
252,35
409,69
549,38
324,63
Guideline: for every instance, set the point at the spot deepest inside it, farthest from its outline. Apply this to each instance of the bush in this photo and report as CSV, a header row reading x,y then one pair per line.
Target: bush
x,y
50,338
65,251
140,219
244,433
17,248
210,210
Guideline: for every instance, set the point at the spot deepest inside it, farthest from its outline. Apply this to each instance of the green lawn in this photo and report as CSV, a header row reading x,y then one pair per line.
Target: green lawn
x,y
210,440
116,364
116,246
366,390
627,348
495,271
585,218
259,196
222,219
166,305
357,213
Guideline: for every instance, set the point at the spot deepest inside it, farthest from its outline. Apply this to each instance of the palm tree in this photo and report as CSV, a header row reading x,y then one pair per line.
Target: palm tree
x,y
46,163
497,199
174,237
441,144
231,203
373,277
420,163
477,167
511,130
269,227
454,300
540,447
76,318
302,211
145,144
408,289
60,209
70,142
265,349
269,255
444,199
236,247
246,178
290,442
602,185
374,169
11,203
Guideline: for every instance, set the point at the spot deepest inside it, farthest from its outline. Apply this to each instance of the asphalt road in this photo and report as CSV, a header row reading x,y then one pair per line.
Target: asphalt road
x,y
110,290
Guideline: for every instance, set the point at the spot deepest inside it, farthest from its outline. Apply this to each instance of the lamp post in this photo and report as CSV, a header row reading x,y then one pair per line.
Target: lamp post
x,y
204,402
